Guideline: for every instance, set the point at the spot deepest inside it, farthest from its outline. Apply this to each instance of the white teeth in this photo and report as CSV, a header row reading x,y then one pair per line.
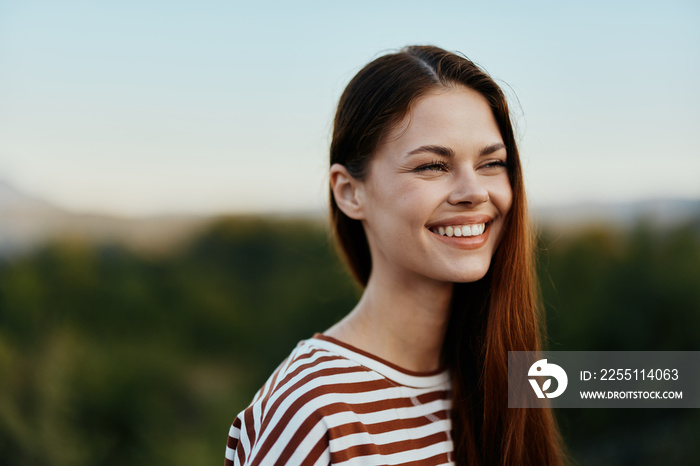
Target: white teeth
x,y
461,230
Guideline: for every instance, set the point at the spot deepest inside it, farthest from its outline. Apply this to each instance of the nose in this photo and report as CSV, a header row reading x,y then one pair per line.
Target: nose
x,y
468,189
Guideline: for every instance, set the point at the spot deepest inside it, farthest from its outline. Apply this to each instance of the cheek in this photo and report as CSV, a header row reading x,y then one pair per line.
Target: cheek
x,y
405,198
502,195
418,203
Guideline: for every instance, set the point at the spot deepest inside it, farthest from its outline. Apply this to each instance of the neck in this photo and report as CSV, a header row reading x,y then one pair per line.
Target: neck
x,y
402,320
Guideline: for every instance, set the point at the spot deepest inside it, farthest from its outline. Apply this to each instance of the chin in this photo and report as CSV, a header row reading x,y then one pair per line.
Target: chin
x,y
471,278
470,272
467,276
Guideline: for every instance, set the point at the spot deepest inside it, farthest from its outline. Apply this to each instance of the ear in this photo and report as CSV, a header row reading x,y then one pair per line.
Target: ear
x,y
347,191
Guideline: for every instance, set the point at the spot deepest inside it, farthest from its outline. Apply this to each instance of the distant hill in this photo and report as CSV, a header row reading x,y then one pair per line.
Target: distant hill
x,y
661,213
12,200
26,221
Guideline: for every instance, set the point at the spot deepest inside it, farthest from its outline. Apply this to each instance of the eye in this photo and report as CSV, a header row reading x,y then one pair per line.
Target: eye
x,y
494,166
434,166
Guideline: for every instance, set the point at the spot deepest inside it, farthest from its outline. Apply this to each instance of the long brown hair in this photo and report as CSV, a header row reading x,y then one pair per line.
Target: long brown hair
x,y
490,317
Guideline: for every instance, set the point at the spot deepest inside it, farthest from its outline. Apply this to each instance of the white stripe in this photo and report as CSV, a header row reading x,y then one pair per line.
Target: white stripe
x,y
389,372
320,401
288,366
305,411
419,453
307,359
257,421
401,457
386,438
234,431
244,441
281,390
306,445
374,417
386,394
324,459
230,454
301,356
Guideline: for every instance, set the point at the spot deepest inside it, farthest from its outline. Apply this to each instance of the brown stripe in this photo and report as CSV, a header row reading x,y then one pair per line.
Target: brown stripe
x,y
320,336
306,397
432,396
358,408
290,361
301,356
228,462
317,391
249,425
293,374
384,427
248,413
350,428
290,375
442,458
316,452
232,442
241,454
275,386
300,434
309,423
394,403
388,448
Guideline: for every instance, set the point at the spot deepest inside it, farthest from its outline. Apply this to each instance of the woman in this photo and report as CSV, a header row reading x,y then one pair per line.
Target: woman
x,y
428,206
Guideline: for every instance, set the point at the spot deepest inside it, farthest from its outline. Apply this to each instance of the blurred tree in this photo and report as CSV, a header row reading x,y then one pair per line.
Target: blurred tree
x,y
113,357
609,290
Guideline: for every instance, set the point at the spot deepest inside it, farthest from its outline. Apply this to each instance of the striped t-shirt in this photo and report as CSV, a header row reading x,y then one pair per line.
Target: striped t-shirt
x,y
331,403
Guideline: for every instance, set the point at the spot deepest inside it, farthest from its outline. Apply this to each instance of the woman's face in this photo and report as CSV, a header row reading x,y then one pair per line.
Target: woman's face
x,y
437,193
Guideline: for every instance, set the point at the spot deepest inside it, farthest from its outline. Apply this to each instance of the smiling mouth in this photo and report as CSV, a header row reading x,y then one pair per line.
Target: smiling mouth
x,y
476,229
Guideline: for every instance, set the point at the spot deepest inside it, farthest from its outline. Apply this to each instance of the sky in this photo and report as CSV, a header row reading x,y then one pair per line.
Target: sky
x,y
145,107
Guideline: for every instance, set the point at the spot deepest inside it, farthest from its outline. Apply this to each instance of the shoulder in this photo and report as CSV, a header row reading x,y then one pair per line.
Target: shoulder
x,y
287,421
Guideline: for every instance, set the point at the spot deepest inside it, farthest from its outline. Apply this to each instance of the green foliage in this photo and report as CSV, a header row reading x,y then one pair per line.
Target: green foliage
x,y
607,290
108,357
611,290
112,357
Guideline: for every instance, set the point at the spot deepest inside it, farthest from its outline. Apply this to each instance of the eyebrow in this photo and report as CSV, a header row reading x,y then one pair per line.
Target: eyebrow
x,y
447,152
